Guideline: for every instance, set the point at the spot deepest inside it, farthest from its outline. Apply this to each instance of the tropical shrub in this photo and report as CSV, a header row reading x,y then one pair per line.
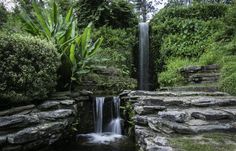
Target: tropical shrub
x,y
75,49
28,67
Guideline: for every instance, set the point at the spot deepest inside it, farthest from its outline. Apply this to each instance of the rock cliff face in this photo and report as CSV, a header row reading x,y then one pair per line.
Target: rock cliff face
x,y
34,126
159,116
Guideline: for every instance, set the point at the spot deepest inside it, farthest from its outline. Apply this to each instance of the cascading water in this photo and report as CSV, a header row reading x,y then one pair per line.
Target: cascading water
x,y
114,129
143,79
99,114
115,124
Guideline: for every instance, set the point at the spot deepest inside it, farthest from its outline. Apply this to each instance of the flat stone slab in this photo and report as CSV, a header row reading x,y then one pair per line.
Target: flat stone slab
x,y
49,105
176,116
34,133
161,125
211,114
54,115
17,121
176,93
17,110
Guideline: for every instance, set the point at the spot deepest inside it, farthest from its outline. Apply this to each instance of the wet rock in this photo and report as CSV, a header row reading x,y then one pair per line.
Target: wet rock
x,y
49,105
210,114
17,121
67,102
54,115
35,133
176,116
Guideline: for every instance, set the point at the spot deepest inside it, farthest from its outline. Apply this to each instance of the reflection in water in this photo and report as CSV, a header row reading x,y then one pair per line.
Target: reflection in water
x,y
96,142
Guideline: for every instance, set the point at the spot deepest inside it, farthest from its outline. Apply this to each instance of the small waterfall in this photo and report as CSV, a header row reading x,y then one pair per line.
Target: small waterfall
x,y
115,124
143,71
99,114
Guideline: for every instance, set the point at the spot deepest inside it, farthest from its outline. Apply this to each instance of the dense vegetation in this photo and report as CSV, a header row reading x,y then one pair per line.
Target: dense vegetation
x,y
201,34
78,41
28,68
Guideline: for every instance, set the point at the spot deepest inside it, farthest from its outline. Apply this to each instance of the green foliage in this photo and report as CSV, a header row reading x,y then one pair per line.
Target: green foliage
x,y
27,67
197,11
128,113
185,32
82,53
228,84
117,48
3,15
117,14
171,76
75,50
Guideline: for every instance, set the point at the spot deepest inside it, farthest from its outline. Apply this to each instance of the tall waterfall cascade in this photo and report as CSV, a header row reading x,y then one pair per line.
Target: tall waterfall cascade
x,y
143,69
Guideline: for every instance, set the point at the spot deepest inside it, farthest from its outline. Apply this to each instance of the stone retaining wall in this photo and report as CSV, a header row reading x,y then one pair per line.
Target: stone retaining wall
x,y
34,126
201,74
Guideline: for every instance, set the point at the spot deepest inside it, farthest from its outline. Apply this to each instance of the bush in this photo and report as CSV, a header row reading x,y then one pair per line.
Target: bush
x,y
117,47
171,76
197,11
28,68
3,14
117,14
228,84
185,32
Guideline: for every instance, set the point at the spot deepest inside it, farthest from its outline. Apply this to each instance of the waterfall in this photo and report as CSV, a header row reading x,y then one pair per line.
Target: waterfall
x,y
143,78
115,124
99,114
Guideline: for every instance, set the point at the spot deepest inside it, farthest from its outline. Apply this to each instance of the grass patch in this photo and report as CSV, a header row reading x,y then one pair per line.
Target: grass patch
x,y
205,142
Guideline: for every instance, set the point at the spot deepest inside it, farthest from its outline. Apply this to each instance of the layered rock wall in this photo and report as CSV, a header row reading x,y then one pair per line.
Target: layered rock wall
x,y
34,126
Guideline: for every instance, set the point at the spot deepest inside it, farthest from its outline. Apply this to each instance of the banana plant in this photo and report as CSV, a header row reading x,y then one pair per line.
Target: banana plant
x,y
62,31
51,25
82,52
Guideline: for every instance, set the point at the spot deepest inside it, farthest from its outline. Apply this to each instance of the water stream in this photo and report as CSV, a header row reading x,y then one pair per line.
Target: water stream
x,y
106,137
143,69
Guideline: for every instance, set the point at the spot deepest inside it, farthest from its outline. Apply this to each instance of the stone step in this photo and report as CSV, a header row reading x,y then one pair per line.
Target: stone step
x,y
187,101
195,88
191,127
176,93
